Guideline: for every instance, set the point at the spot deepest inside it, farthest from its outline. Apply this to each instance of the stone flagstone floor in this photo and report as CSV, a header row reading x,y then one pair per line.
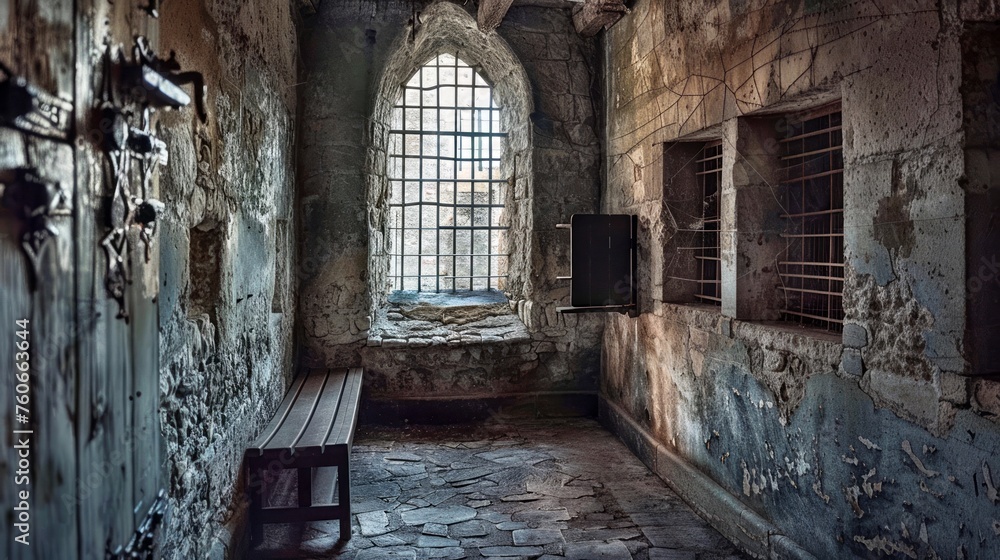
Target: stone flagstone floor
x,y
502,490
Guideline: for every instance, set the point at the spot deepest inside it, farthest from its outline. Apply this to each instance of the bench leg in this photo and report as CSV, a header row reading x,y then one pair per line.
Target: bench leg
x,y
258,488
344,498
305,487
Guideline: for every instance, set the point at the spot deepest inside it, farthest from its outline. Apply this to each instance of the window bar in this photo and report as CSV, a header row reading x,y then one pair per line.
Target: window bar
x,y
420,195
401,231
815,244
466,140
489,200
709,174
455,174
437,256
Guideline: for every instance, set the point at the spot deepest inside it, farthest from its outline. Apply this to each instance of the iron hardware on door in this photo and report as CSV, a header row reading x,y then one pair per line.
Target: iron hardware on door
x,y
31,110
142,546
35,201
603,263
134,89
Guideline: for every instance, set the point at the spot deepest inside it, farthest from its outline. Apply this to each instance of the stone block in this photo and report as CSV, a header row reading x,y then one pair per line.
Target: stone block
x,y
954,389
851,362
855,335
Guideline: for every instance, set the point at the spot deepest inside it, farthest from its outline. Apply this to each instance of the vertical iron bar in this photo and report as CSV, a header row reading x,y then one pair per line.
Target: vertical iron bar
x,y
489,201
402,212
437,197
455,174
420,193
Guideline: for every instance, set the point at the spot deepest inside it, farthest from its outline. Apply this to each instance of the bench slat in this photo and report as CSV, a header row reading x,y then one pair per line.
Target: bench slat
x,y
279,417
302,411
327,411
343,429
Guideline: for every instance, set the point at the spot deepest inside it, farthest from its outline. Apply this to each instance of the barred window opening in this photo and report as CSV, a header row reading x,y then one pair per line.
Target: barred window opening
x,y
446,193
709,172
812,270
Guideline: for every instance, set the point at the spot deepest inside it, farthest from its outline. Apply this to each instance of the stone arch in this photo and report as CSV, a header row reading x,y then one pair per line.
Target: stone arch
x,y
446,27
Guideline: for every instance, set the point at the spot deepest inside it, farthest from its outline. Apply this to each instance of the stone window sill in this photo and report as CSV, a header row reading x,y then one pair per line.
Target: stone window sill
x,y
422,319
788,337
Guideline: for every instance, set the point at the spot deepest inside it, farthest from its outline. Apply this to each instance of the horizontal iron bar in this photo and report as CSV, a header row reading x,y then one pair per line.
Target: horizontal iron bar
x,y
810,134
444,85
449,133
435,276
445,205
800,263
447,180
813,153
445,255
810,276
477,228
809,235
418,156
816,213
791,182
808,291
810,316
443,108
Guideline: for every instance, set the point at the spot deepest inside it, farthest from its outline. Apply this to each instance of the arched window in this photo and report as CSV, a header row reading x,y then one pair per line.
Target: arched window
x,y
446,192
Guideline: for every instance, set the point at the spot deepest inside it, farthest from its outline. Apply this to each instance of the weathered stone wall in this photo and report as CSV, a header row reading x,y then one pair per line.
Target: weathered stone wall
x,y
873,442
547,74
227,249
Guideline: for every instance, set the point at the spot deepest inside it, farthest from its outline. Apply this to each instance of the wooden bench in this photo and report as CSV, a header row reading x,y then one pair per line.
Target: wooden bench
x,y
313,427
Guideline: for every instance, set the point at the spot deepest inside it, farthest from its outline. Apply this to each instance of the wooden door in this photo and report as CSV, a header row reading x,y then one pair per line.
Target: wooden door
x,y
96,449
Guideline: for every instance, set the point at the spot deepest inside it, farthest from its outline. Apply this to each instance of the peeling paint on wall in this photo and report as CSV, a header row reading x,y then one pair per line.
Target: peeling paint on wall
x,y
861,444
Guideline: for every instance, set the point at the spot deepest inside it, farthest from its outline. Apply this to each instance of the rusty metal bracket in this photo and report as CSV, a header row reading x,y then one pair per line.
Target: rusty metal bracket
x,y
35,201
160,79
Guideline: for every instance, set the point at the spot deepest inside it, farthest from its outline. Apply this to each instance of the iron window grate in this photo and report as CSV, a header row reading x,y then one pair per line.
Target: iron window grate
x,y
446,193
812,188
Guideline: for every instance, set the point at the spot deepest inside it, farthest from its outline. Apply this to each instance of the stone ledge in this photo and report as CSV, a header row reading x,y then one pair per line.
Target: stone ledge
x,y
420,320
752,533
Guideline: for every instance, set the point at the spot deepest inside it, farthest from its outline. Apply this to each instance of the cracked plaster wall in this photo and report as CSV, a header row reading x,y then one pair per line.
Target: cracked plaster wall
x,y
869,443
547,73
225,356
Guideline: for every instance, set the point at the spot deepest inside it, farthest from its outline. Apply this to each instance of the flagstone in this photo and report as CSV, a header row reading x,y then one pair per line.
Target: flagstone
x,y
445,515
536,536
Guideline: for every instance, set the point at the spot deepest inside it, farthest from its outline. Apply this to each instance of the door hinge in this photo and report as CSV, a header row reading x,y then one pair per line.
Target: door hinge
x,y
31,110
35,201
144,540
